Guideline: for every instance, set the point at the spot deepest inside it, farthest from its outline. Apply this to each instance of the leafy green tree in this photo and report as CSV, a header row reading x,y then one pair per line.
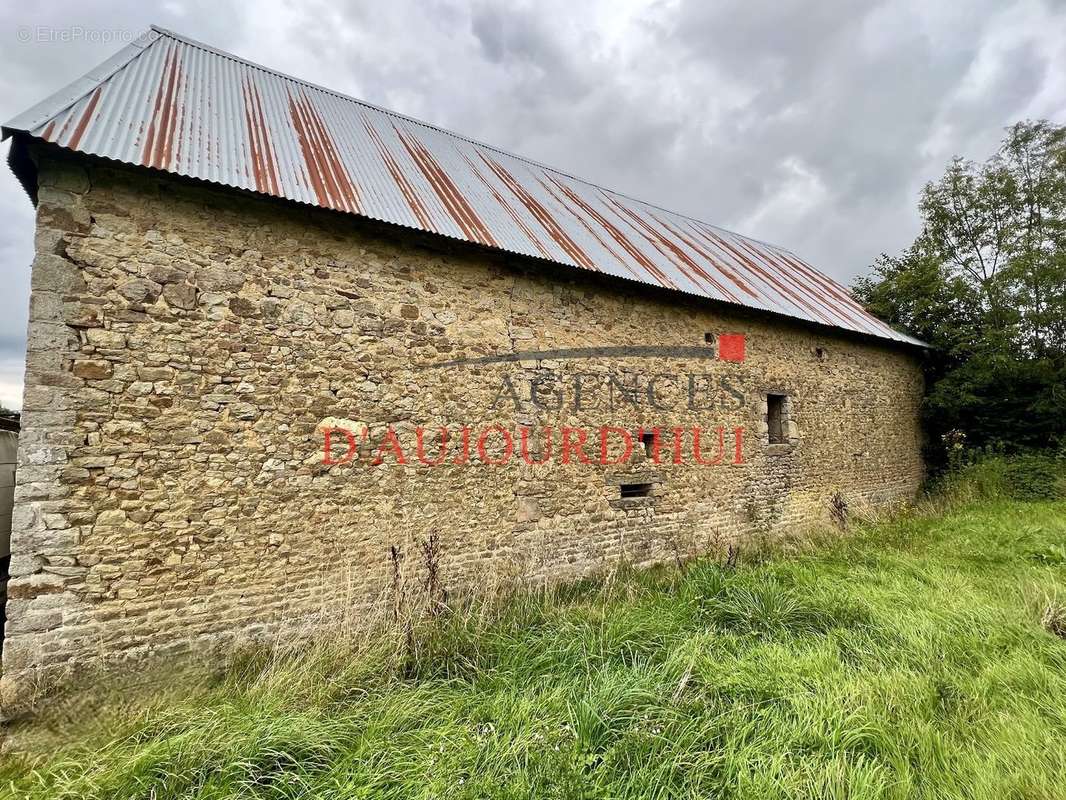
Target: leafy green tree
x,y
985,284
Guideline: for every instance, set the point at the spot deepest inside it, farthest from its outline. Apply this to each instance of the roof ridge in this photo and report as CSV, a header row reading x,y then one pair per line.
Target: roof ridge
x,y
365,103
469,139
48,108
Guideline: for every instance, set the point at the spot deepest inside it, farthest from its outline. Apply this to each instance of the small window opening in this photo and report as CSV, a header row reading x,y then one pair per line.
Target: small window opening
x,y
709,338
821,353
635,489
648,440
775,418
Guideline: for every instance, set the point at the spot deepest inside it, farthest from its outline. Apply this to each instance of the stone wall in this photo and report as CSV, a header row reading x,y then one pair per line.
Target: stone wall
x,y
186,345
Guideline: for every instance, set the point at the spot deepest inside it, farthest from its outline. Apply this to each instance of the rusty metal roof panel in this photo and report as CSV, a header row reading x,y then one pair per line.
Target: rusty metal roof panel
x,y
176,105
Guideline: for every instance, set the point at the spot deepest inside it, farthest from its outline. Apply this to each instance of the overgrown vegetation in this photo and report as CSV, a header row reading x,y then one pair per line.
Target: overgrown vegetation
x,y
985,284
1035,475
920,657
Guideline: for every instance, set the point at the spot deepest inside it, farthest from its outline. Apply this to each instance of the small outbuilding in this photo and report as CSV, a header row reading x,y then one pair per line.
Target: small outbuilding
x,y
9,440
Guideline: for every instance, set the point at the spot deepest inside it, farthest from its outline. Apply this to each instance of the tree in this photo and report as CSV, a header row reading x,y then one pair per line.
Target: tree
x,y
985,284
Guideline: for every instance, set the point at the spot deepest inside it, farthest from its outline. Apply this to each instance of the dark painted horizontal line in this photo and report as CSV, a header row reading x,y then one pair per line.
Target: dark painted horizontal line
x,y
639,351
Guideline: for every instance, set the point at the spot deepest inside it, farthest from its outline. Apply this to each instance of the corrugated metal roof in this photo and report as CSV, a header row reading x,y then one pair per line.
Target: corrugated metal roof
x,y
176,105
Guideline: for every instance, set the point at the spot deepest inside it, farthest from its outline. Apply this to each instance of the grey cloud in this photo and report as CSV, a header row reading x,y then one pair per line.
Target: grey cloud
x,y
507,37
812,125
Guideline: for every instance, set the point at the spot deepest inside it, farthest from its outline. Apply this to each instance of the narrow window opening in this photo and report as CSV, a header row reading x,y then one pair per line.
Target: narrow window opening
x,y
775,418
708,338
648,440
635,489
821,353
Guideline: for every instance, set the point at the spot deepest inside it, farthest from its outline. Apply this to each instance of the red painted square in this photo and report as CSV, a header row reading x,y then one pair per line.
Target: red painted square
x,y
731,347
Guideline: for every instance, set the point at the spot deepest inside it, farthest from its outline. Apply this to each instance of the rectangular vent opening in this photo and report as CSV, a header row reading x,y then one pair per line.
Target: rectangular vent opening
x,y
635,489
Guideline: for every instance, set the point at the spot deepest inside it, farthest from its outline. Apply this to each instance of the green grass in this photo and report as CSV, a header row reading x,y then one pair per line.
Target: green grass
x,y
913,659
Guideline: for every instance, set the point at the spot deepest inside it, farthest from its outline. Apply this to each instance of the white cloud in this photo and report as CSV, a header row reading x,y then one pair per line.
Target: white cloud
x,y
798,189
11,370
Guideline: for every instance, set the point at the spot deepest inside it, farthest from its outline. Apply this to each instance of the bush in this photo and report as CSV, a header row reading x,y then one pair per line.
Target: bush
x,y
1030,476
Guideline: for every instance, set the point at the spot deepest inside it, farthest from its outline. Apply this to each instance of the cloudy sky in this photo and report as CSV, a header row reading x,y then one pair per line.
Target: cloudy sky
x,y
810,124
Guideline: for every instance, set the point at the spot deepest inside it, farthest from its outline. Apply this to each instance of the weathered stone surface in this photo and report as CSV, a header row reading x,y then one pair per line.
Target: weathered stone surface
x,y
244,307
106,339
93,369
140,290
165,273
219,279
175,485
114,516
51,337
139,388
180,295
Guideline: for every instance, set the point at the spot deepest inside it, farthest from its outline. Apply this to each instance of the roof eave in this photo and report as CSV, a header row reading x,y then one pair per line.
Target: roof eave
x,y
76,90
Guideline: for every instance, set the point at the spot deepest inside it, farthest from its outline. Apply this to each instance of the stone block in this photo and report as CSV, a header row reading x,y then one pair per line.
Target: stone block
x,y
92,369
180,295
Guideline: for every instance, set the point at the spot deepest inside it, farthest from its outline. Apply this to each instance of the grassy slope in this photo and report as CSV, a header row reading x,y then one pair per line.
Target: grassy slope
x,y
907,662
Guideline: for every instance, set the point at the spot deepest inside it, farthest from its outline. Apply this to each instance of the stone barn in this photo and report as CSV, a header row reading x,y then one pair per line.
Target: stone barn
x,y
288,351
